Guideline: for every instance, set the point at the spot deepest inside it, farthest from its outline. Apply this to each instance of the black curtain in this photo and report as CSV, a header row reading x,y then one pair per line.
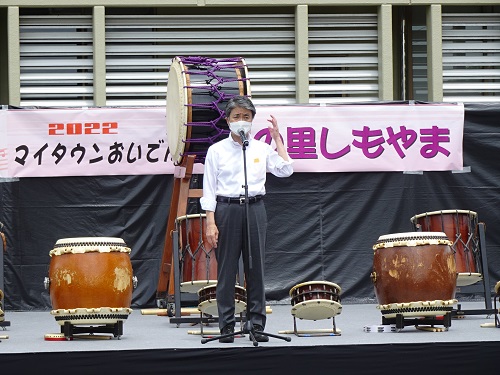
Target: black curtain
x,y
322,226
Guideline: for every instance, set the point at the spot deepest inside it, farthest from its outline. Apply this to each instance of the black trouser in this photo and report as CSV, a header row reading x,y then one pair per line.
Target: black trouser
x,y
230,219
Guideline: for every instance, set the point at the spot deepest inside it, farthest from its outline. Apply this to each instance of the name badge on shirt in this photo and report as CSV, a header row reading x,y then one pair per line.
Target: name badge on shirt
x,y
256,160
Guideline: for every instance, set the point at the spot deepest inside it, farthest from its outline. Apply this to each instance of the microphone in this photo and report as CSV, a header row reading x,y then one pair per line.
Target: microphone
x,y
243,137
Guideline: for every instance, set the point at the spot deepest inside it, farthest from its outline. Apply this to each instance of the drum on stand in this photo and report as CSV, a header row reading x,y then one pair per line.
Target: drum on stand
x,y
198,89
90,280
207,298
315,300
197,257
461,228
414,274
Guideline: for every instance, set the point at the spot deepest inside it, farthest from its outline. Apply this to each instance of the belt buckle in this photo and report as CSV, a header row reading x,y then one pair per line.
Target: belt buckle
x,y
242,200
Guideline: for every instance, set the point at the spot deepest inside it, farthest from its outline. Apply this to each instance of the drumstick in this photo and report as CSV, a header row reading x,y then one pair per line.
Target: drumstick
x,y
211,332
431,329
488,325
164,312
92,337
310,331
184,311
205,332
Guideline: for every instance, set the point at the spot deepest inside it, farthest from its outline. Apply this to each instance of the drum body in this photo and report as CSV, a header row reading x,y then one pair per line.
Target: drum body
x,y
90,280
198,89
414,273
197,257
207,298
315,300
461,228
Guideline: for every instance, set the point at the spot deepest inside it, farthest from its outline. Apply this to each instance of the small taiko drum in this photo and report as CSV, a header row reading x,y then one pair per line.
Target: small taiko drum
x,y
461,228
197,257
198,90
315,300
414,274
90,280
207,298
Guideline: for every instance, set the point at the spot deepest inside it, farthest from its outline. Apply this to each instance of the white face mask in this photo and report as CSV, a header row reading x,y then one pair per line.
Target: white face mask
x,y
237,125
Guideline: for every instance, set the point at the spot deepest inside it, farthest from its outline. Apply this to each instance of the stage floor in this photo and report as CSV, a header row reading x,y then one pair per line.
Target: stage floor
x,y
27,331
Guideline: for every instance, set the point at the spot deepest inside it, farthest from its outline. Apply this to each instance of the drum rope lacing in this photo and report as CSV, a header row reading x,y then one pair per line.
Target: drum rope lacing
x,y
215,83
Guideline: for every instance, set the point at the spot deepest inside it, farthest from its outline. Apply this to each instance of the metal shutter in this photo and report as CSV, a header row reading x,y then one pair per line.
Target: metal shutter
x,y
343,58
139,51
471,57
56,60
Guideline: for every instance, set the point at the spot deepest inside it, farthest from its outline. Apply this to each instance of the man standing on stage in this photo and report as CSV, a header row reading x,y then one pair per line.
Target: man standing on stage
x,y
224,203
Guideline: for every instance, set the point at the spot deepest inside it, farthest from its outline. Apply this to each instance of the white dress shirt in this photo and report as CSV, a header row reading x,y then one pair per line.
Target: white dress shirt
x,y
224,170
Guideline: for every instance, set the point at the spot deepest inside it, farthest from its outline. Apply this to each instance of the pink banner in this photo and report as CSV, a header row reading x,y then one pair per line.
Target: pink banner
x,y
133,141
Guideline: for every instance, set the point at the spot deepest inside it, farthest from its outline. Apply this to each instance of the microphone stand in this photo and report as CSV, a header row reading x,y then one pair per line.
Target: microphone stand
x,y
248,327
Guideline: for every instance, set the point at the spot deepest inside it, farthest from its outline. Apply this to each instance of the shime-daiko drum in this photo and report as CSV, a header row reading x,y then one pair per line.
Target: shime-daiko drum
x,y
414,274
198,89
207,298
198,262
90,280
315,300
461,228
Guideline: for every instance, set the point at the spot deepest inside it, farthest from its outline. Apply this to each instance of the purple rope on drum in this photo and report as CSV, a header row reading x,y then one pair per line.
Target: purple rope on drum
x,y
217,80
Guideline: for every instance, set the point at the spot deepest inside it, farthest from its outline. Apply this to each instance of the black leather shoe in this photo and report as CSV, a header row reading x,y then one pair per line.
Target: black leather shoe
x,y
228,329
259,337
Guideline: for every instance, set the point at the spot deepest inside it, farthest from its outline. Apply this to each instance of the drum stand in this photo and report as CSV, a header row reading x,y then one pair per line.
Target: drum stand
x,y
168,295
3,323
400,322
309,333
69,329
476,288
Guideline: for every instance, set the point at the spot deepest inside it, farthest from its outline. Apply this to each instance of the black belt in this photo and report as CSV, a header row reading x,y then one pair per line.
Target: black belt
x,y
240,200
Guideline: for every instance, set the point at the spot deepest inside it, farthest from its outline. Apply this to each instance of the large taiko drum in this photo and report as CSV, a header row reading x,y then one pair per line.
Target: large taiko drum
x,y
461,228
207,298
197,257
414,274
90,280
315,300
198,89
